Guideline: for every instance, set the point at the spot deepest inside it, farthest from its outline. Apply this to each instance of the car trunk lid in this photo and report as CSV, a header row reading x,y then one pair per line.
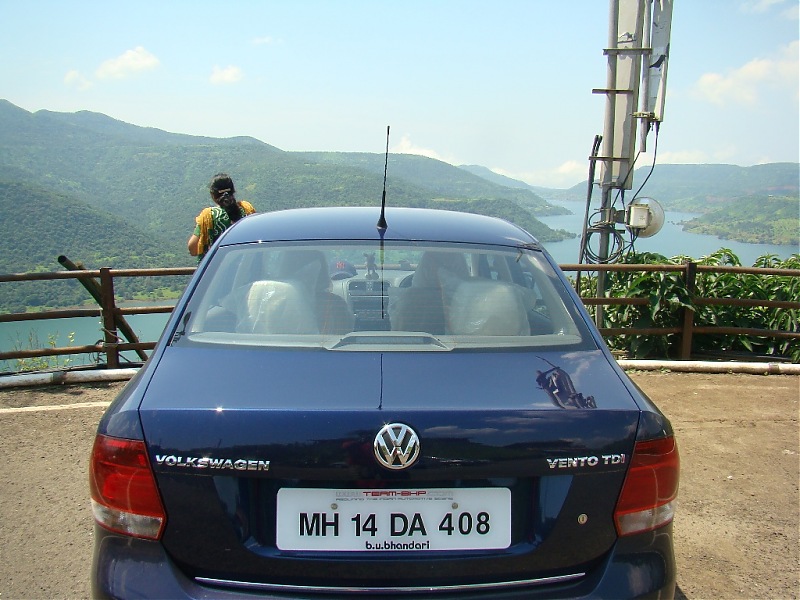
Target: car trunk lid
x,y
539,453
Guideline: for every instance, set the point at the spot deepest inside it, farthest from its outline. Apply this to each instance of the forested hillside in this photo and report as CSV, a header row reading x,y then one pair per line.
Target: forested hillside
x,y
442,179
696,188
156,181
752,219
490,175
38,226
758,204
108,193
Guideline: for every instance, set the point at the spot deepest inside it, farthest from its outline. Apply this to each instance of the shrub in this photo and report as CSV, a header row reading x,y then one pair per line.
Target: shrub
x,y
668,295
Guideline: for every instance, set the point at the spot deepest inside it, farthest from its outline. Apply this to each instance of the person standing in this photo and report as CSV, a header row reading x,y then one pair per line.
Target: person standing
x,y
213,220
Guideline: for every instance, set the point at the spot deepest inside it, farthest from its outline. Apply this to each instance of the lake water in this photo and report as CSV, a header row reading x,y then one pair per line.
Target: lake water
x,y
670,241
84,331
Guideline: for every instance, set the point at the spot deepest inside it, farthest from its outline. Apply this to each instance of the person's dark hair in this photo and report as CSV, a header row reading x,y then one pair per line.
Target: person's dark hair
x,y
224,194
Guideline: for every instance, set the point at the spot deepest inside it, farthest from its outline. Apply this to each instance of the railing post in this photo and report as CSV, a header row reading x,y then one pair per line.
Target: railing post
x,y
690,277
108,306
93,288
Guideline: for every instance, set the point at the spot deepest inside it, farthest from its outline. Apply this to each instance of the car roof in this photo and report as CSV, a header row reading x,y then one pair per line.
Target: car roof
x,y
360,223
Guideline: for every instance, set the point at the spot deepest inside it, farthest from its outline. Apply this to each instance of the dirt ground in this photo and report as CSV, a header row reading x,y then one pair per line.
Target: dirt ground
x,y
736,529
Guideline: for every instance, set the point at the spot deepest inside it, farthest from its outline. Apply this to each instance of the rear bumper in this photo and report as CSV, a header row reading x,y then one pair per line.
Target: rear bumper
x,y
641,566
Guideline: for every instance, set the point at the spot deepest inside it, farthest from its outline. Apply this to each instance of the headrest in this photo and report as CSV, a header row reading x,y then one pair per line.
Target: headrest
x,y
434,264
485,307
280,307
307,266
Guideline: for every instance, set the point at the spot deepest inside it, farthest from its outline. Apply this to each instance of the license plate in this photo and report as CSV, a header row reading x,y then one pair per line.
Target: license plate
x,y
402,520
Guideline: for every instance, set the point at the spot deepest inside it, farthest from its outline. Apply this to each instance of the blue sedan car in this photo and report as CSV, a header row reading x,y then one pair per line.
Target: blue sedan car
x,y
341,408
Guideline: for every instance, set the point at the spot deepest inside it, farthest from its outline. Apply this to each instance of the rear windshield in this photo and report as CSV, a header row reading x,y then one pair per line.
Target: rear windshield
x,y
393,297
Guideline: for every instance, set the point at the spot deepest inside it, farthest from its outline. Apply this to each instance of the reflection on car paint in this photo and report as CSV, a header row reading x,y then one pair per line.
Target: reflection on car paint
x,y
558,385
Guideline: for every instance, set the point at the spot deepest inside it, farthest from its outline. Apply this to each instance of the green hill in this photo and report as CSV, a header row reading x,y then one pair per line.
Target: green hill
x,y
39,226
156,181
442,179
758,204
753,219
56,224
696,188
113,194
490,175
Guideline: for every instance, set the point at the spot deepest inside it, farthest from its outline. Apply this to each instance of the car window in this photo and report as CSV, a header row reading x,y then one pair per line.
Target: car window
x,y
396,296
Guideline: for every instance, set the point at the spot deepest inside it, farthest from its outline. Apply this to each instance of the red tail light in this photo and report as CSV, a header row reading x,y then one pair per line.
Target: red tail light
x,y
125,498
648,496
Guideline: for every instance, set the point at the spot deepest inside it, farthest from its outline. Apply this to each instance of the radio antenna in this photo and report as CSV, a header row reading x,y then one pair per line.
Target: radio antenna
x,y
382,220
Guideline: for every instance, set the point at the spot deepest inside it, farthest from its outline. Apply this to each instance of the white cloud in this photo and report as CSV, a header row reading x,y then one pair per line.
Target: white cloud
x,y
759,6
129,63
563,176
227,75
792,13
722,154
74,79
406,146
679,157
745,85
266,40
573,168
763,160
503,172
718,89
788,64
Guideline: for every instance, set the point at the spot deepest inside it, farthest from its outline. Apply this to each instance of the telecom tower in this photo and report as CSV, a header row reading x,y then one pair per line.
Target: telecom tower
x,y
638,36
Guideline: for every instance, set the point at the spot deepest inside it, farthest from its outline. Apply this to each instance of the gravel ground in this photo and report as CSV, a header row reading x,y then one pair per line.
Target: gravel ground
x,y
736,530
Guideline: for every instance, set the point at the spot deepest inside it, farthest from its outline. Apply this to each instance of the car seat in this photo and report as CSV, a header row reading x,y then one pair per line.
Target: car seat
x,y
309,268
279,307
422,306
486,307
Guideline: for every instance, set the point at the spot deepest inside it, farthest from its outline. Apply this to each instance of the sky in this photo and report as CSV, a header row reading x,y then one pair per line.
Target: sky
x,y
506,84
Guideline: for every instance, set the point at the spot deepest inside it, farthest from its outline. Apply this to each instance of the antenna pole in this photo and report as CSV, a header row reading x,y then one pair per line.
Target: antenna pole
x,y
382,220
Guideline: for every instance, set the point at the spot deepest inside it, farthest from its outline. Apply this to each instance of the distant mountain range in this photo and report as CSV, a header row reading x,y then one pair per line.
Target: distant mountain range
x,y
97,189
108,193
699,188
690,188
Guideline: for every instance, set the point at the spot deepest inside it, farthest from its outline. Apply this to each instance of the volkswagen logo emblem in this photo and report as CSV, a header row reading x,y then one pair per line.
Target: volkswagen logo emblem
x,y
396,446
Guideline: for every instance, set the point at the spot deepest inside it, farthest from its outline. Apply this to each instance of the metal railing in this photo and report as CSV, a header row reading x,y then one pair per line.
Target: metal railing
x,y
113,316
689,271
